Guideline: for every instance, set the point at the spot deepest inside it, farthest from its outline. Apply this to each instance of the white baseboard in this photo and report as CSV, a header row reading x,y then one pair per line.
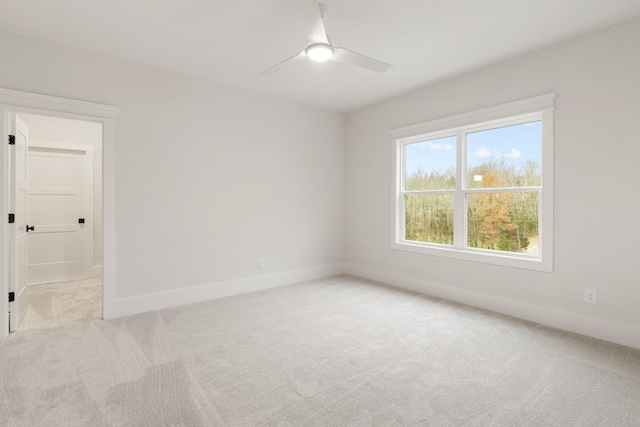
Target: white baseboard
x,y
616,331
174,298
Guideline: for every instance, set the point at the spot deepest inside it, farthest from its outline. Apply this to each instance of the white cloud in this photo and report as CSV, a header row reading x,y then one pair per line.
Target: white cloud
x,y
435,146
513,154
482,152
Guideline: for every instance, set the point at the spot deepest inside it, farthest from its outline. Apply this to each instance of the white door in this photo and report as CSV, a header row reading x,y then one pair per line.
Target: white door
x,y
18,233
56,204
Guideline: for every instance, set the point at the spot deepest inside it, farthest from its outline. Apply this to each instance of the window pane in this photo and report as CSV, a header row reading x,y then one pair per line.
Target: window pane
x,y
429,218
431,165
505,157
503,221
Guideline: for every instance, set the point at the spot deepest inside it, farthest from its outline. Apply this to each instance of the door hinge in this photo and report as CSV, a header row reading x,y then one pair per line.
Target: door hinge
x,y
12,218
12,297
12,140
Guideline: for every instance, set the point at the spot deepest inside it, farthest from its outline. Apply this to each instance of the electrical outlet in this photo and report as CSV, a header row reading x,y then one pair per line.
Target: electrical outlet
x,y
260,263
590,296
376,257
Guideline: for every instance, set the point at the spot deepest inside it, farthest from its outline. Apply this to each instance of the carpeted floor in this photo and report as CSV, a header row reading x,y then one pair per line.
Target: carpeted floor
x,y
62,303
335,352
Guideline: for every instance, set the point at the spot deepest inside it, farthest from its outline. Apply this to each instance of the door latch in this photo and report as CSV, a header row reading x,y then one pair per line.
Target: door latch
x,y
30,228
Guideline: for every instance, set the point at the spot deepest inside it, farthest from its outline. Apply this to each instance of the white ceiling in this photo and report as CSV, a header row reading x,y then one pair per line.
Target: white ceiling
x,y
231,41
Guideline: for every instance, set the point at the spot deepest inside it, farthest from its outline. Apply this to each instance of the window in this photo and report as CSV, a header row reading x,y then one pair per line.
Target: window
x,y
478,186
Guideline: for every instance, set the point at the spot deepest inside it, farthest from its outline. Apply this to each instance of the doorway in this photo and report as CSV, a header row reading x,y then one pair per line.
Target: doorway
x,y
64,199
48,107
64,219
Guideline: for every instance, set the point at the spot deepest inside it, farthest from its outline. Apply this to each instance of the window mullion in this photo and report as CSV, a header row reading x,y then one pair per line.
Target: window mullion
x,y
502,190
401,199
459,203
428,192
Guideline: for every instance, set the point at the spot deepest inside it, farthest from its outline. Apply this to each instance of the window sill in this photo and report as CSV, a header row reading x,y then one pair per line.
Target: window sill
x,y
504,259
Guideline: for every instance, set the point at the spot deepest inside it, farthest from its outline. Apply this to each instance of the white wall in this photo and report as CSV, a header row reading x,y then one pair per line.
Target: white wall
x,y
597,147
208,177
54,130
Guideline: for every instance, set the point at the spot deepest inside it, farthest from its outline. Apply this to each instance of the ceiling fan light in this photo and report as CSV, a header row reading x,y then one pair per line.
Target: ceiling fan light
x,y
319,52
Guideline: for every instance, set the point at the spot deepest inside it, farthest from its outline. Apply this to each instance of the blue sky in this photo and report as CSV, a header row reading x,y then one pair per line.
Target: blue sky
x,y
515,144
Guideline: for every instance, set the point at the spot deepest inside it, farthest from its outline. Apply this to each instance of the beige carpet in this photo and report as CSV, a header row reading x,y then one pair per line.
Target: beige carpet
x,y
335,352
57,304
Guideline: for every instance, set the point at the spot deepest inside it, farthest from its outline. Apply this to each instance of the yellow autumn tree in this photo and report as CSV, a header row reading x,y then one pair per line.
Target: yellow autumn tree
x,y
491,210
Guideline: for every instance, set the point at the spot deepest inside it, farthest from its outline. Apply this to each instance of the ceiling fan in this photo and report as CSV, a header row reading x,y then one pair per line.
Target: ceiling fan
x,y
319,48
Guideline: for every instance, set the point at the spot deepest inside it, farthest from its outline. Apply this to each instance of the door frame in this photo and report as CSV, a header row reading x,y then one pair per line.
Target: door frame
x,y
12,101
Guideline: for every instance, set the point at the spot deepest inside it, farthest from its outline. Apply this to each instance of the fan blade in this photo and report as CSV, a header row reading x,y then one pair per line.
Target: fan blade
x,y
346,56
313,20
296,58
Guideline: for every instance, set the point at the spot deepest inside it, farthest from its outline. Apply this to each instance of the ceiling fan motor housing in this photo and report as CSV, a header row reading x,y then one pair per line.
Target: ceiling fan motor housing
x,y
319,52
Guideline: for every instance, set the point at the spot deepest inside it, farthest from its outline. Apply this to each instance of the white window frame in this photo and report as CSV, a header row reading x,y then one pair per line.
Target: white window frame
x,y
528,110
